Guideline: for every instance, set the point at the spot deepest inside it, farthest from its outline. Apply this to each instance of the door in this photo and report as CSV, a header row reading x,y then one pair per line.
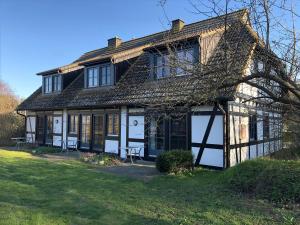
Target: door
x,y
178,133
98,132
40,131
156,138
85,138
49,130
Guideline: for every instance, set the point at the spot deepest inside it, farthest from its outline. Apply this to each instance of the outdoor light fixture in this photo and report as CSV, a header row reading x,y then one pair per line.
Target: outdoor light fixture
x,y
135,123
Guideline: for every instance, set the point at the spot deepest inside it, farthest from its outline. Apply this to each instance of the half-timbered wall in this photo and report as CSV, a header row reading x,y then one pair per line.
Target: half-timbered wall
x,y
136,129
242,147
207,133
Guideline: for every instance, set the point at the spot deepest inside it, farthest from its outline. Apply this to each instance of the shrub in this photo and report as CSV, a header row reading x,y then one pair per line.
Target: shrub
x,y
287,154
103,159
274,180
174,161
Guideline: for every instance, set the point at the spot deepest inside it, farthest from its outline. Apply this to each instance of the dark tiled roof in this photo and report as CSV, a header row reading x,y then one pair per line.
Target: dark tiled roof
x,y
136,87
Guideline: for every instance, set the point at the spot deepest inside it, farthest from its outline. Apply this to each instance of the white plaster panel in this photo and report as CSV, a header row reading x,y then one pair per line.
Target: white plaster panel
x,y
57,124
210,157
253,152
244,153
111,146
123,131
136,131
260,150
57,140
216,133
199,124
232,157
30,124
266,148
139,145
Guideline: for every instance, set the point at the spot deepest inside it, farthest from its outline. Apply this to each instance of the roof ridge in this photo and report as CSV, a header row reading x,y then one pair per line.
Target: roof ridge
x,y
153,34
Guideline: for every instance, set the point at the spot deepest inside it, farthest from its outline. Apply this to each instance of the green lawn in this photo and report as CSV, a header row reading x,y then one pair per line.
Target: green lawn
x,y
35,191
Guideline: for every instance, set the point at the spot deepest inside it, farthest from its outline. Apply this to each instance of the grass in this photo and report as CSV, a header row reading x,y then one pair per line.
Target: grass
x,y
36,191
275,180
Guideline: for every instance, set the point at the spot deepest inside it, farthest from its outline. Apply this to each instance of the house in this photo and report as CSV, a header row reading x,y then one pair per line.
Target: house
x,y
127,94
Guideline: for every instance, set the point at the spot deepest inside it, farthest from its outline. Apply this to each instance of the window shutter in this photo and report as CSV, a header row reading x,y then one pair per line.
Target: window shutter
x,y
151,65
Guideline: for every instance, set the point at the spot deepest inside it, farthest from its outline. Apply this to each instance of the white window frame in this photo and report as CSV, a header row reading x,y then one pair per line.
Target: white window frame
x,y
107,68
47,84
56,83
92,81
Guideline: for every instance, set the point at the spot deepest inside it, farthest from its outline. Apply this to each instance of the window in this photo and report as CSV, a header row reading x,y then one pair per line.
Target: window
x,y
85,131
162,66
98,124
253,127
182,63
93,77
266,126
49,129
105,78
156,139
112,124
185,61
47,84
56,83
178,131
73,124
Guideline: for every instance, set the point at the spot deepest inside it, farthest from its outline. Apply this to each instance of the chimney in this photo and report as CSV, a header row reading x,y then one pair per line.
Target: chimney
x,y
177,25
114,42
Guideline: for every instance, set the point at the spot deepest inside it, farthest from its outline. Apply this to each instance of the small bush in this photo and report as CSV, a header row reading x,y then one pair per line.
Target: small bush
x,y
103,159
274,180
174,161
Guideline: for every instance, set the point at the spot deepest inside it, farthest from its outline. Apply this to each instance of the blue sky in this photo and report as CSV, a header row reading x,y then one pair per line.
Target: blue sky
x,y
40,35
37,35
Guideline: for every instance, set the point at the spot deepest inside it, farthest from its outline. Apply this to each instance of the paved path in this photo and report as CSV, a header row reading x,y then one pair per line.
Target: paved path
x,y
141,170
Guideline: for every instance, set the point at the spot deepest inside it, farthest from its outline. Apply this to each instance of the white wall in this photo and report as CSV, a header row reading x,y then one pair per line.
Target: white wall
x,y
57,124
112,146
136,127
123,131
210,156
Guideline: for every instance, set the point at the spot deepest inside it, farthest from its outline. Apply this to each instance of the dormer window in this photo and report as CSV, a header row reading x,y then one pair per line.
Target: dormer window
x,y
180,64
52,84
99,75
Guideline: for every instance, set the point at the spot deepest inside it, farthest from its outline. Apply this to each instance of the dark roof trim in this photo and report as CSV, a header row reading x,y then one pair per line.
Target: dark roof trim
x,y
95,61
49,72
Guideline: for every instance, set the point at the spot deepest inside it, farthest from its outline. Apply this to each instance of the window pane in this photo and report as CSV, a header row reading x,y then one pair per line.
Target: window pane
x,y
103,73
178,133
159,66
92,77
109,124
116,124
85,134
108,75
